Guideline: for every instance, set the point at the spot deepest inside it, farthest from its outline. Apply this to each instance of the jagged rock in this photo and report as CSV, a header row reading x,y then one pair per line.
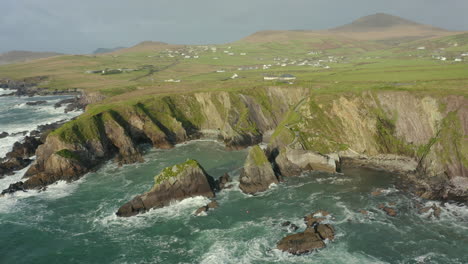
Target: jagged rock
x,y
19,186
25,149
13,164
223,181
257,174
36,103
174,183
206,208
287,223
4,135
309,240
301,243
293,228
436,211
292,162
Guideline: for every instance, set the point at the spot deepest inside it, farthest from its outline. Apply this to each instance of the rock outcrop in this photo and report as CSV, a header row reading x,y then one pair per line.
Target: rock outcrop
x,y
292,162
257,174
311,239
174,183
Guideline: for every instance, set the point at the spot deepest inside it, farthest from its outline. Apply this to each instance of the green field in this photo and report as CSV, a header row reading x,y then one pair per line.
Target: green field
x,y
324,63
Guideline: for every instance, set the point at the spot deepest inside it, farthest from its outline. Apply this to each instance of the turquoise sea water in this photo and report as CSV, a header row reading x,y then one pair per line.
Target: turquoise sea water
x,y
75,223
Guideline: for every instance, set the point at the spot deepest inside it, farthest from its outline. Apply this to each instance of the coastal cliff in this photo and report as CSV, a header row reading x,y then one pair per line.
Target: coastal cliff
x,y
422,137
118,131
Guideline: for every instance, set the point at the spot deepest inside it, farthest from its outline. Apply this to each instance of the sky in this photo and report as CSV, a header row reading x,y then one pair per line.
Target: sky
x,y
82,26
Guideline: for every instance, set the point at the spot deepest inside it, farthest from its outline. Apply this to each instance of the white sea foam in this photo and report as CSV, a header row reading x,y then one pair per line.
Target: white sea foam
x,y
6,91
177,209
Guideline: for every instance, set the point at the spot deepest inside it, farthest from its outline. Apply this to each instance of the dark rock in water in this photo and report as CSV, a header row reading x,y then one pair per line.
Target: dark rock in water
x,y
23,133
19,186
4,135
73,104
325,231
174,183
309,240
377,192
257,174
315,218
206,208
293,227
25,149
424,210
10,165
223,181
36,103
364,212
436,211
301,243
388,210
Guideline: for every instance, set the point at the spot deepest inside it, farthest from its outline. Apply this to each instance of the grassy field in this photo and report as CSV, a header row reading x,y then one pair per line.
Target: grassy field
x,y
324,63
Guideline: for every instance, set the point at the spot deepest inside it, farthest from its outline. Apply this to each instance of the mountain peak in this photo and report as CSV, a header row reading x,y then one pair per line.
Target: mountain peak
x,y
379,21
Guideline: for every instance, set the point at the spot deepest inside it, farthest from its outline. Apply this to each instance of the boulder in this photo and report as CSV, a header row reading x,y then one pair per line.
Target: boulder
x,y
309,240
174,183
301,243
292,162
257,174
4,135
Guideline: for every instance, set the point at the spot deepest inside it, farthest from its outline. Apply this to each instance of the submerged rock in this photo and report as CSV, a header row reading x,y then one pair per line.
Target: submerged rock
x,y
174,183
390,211
258,174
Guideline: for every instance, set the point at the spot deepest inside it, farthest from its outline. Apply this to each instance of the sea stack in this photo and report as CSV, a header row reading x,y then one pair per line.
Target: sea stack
x,y
258,174
174,183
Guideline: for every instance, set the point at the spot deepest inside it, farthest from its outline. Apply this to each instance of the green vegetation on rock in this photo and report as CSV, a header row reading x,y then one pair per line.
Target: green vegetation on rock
x,y
175,171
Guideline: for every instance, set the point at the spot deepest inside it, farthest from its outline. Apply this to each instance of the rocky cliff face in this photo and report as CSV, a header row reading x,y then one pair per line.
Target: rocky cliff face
x,y
430,132
174,183
117,131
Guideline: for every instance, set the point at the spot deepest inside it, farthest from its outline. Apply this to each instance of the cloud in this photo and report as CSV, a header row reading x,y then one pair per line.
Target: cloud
x,y
82,26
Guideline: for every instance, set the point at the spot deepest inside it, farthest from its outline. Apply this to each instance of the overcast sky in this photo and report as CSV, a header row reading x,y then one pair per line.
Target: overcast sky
x,y
81,26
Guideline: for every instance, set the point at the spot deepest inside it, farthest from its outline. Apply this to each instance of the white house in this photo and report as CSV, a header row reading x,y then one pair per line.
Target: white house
x,y
270,78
